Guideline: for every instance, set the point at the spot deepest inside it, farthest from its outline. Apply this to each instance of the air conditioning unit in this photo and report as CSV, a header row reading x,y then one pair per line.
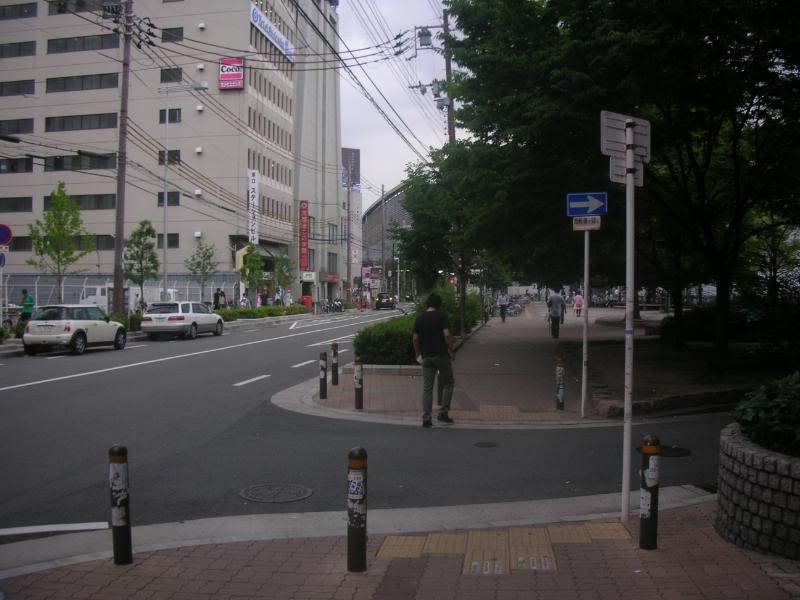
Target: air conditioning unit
x,y
201,26
200,108
198,234
198,150
201,67
198,192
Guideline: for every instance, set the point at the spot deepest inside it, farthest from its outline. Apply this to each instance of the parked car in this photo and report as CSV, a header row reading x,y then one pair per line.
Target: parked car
x,y
180,318
384,300
73,326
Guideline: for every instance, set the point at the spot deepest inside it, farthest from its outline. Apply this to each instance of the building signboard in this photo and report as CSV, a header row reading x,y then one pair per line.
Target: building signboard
x,y
271,32
252,206
303,235
308,276
231,74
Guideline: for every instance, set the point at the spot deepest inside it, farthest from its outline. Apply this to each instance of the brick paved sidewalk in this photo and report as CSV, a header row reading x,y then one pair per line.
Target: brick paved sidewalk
x,y
583,560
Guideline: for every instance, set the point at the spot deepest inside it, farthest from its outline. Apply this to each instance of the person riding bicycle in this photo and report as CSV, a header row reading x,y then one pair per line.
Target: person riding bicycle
x,y
502,303
556,307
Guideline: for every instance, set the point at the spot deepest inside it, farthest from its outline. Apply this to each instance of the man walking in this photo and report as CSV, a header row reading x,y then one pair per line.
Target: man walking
x,y
433,346
27,306
502,303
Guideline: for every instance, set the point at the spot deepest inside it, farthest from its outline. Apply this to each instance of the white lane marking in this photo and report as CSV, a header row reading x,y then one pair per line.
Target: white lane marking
x,y
303,364
293,325
56,527
343,350
246,381
344,339
251,330
54,357
177,356
136,346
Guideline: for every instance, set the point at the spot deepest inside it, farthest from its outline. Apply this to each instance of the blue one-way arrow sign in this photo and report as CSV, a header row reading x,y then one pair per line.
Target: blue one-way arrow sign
x,y
590,203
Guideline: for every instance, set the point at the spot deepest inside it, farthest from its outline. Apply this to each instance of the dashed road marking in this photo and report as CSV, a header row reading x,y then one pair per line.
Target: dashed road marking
x,y
246,381
303,364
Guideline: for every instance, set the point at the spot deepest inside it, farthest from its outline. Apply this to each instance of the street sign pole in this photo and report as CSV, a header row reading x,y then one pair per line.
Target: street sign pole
x,y
586,302
630,291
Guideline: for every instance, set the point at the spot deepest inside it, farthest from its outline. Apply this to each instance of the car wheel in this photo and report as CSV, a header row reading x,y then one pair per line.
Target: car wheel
x,y
218,329
120,339
192,333
30,350
79,343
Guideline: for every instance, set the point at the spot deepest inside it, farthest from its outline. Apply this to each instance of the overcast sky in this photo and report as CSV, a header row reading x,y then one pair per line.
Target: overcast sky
x,y
384,154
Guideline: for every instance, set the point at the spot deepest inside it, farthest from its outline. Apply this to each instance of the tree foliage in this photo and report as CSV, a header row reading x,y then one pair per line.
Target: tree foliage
x,y
252,271
201,264
59,239
140,260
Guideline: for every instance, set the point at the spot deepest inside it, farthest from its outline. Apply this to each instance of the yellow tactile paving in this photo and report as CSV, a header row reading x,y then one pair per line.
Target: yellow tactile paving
x,y
402,546
528,536
607,531
445,543
486,553
568,534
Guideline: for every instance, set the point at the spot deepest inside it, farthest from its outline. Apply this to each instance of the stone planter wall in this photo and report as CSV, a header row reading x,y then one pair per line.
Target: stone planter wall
x,y
759,496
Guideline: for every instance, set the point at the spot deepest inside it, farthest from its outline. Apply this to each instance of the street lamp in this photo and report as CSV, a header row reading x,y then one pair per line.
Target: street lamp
x,y
166,89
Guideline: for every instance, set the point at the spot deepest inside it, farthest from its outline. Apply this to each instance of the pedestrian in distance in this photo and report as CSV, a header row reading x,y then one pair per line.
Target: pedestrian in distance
x,y
433,346
27,306
223,299
556,307
216,299
578,305
502,303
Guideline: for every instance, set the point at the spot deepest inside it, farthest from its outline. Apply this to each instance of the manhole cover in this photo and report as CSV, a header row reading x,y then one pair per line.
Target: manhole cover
x,y
485,445
276,492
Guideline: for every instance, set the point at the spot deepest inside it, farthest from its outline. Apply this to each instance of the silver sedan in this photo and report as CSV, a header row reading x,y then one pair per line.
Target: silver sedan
x,y
180,318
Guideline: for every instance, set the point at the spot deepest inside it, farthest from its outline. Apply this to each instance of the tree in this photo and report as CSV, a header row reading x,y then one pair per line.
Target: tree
x,y
284,270
252,271
59,240
140,259
201,264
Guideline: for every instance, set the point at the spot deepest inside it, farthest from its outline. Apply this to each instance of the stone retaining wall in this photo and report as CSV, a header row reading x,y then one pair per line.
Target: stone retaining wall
x,y
759,496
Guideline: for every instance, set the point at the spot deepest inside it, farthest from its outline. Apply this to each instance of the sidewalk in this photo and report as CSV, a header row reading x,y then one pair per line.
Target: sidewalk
x,y
553,549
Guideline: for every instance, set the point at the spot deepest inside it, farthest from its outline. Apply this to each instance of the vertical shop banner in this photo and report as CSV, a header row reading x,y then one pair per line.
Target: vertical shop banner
x,y
303,235
252,206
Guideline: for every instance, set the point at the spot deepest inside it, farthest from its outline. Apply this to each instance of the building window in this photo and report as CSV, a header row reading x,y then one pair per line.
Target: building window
x,y
174,115
174,158
84,43
60,7
80,162
332,233
21,244
80,122
312,259
13,126
173,198
172,240
16,165
15,49
18,11
89,201
333,262
172,75
172,34
20,204
104,242
17,88
80,83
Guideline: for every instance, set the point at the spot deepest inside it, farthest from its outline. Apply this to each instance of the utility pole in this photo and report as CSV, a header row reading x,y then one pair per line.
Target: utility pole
x,y
448,74
122,161
383,237
349,235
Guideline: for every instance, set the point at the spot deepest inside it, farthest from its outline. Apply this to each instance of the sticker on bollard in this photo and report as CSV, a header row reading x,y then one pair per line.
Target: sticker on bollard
x,y
560,372
648,494
120,505
323,375
334,363
358,382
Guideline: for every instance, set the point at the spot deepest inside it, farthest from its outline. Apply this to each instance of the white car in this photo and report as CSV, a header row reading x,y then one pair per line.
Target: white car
x,y
73,326
180,318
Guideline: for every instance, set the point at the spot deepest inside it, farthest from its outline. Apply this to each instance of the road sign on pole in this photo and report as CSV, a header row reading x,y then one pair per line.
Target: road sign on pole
x,y
612,135
591,203
590,223
5,235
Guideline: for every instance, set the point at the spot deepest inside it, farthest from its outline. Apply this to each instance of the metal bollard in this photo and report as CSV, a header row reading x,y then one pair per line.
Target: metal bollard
x,y
334,363
358,381
120,505
323,375
648,494
357,510
560,384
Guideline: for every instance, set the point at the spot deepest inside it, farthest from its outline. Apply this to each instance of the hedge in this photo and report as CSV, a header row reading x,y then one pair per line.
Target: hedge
x,y
260,312
387,343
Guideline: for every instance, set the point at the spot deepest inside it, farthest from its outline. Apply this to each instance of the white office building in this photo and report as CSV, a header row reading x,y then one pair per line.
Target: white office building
x,y
229,89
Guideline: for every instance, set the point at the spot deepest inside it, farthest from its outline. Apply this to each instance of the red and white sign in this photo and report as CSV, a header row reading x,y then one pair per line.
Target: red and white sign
x,y
303,235
231,74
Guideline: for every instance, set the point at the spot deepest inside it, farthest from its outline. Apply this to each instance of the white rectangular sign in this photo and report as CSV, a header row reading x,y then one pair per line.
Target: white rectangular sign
x,y
588,223
612,135
617,171
252,206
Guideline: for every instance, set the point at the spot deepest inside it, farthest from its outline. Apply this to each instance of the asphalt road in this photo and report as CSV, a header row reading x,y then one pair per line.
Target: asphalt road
x,y
199,427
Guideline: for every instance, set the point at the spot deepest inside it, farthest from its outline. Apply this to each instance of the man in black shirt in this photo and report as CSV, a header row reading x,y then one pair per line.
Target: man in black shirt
x,y
433,346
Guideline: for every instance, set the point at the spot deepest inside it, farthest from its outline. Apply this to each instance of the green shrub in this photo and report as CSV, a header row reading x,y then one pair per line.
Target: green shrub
x,y
770,416
135,323
699,325
450,306
19,328
387,343
296,309
227,314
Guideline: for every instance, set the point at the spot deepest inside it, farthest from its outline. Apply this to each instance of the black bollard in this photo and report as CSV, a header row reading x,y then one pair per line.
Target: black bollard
x,y
358,381
120,505
357,510
323,375
648,495
559,384
334,363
